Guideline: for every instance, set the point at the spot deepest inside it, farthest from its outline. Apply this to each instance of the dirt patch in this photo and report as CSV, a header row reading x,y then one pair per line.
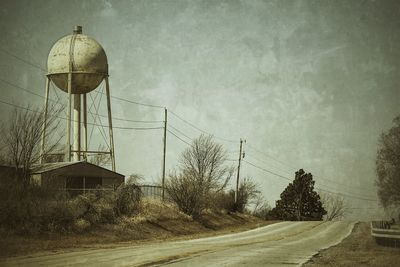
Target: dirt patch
x,y
358,249
156,223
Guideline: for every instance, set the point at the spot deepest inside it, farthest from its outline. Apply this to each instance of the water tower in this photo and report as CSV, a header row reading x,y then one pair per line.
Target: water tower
x,y
77,64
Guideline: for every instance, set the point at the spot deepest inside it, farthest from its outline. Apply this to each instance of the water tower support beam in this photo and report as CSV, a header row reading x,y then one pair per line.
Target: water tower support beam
x,y
46,103
68,148
85,143
110,123
77,127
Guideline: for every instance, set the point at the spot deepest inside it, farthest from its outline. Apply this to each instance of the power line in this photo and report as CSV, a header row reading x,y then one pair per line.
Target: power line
x,y
200,130
104,116
24,89
268,171
93,124
131,101
264,162
346,195
128,120
44,70
358,197
178,137
328,191
287,172
136,103
315,176
180,132
23,60
271,157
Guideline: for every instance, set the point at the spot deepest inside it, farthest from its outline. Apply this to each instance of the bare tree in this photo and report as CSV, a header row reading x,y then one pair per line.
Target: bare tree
x,y
261,207
334,205
202,173
259,201
248,194
21,138
388,166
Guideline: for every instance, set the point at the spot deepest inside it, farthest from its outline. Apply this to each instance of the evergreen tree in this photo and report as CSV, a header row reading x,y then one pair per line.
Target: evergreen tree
x,y
388,167
299,201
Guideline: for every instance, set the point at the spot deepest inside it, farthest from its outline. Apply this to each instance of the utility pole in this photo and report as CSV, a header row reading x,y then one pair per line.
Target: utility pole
x,y
241,155
164,152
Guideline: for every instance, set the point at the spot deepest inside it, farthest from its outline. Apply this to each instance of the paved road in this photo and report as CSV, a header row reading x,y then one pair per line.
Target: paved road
x,y
281,244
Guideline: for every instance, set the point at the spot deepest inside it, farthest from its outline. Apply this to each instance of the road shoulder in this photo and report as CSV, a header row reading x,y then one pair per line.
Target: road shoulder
x,y
358,249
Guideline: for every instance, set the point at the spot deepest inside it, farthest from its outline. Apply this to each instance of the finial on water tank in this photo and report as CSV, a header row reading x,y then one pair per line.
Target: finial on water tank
x,y
78,30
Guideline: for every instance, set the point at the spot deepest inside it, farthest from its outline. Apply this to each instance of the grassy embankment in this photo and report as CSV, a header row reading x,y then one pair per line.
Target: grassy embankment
x,y
154,222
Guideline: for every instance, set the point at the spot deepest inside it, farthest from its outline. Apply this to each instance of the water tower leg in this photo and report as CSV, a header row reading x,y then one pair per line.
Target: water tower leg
x,y
46,103
77,127
68,148
110,124
85,143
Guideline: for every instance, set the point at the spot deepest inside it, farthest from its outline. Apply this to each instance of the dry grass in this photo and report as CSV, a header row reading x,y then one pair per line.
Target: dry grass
x,y
358,249
155,221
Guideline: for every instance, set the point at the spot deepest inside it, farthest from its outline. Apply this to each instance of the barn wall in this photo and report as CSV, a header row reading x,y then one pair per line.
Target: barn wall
x,y
53,181
111,182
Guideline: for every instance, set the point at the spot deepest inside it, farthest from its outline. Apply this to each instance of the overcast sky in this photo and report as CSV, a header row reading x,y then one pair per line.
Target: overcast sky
x,y
312,84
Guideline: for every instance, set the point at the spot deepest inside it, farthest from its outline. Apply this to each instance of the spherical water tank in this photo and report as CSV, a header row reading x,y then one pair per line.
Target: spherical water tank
x,y
88,61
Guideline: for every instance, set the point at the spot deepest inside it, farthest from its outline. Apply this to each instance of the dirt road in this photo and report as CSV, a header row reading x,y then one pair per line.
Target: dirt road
x,y
281,244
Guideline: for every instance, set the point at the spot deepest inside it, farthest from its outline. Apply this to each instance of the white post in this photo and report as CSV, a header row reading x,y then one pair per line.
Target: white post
x,y
110,123
85,143
77,127
68,148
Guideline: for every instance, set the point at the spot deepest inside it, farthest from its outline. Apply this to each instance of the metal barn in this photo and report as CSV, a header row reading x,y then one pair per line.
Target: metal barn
x,y
75,177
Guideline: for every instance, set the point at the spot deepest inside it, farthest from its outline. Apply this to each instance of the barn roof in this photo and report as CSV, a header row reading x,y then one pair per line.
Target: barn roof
x,y
65,166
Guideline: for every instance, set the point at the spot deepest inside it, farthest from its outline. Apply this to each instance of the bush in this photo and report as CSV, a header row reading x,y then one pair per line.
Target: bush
x,y
81,225
31,209
59,215
185,193
263,212
247,194
202,174
25,207
224,201
128,199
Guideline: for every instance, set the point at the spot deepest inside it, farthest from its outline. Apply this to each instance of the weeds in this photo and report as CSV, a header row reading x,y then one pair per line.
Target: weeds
x,y
32,209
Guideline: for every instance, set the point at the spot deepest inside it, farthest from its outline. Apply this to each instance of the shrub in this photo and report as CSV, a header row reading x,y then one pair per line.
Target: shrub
x,y
23,206
81,225
202,174
59,215
128,199
224,201
184,192
263,212
30,208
